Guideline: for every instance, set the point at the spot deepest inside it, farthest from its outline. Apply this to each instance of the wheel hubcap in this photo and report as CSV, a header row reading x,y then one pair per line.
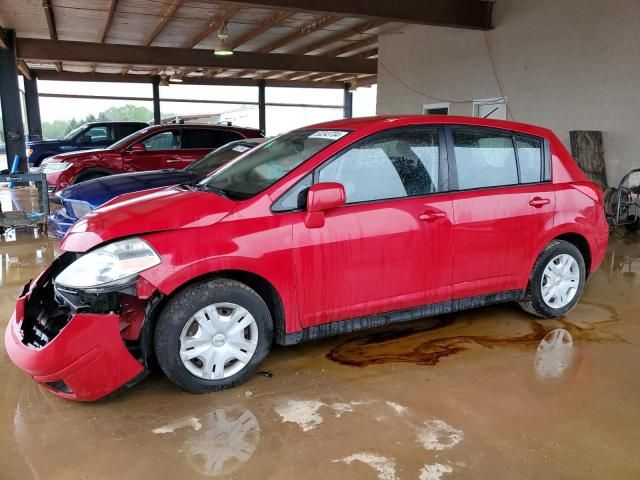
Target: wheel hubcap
x,y
560,281
218,341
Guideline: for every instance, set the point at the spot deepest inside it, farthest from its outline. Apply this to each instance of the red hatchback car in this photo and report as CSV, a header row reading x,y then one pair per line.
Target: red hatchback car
x,y
324,230
152,148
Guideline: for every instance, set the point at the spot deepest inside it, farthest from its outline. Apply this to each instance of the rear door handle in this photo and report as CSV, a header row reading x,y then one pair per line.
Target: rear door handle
x,y
173,160
539,202
432,215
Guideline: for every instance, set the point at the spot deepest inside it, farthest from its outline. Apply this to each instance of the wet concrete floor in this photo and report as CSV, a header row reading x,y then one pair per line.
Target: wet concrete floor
x,y
488,393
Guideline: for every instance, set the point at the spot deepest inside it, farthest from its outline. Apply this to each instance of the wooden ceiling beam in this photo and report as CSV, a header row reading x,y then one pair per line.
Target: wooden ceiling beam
x,y
115,77
51,25
23,68
267,24
107,24
352,47
471,14
309,28
166,17
49,50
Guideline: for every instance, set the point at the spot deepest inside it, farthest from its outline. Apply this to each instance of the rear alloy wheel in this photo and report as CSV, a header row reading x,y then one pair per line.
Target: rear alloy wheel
x,y
557,281
213,335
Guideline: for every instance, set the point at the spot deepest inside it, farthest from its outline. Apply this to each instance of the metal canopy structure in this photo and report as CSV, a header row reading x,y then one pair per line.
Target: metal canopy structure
x,y
321,41
276,43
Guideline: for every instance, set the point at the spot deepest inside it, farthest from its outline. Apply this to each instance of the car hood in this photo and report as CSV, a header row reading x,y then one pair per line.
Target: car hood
x,y
46,143
101,190
146,212
71,156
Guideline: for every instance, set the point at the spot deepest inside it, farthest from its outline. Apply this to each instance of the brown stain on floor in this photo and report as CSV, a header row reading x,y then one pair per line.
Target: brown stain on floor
x,y
418,345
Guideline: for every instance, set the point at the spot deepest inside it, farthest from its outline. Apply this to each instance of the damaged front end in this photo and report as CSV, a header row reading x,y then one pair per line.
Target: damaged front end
x,y
81,344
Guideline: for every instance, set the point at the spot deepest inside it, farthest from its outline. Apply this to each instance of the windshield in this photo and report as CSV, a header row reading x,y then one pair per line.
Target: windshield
x,y
73,132
264,166
122,142
220,156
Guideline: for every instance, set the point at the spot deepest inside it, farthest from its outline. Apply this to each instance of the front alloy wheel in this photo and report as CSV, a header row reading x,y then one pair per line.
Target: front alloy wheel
x,y
213,335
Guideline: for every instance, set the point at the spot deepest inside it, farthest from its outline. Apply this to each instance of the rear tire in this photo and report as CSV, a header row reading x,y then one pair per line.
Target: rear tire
x,y
213,335
557,281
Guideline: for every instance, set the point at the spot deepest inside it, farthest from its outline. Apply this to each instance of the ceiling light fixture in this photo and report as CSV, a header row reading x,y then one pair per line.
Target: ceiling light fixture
x,y
221,49
175,78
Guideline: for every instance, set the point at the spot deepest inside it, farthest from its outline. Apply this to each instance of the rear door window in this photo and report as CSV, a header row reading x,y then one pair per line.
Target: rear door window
x,y
204,138
529,159
483,158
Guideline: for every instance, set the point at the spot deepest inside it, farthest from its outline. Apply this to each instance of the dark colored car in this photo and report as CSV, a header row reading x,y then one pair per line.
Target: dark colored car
x,y
152,148
82,198
325,230
88,136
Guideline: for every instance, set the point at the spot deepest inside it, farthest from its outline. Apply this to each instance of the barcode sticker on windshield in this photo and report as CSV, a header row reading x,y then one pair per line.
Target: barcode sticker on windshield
x,y
329,134
241,148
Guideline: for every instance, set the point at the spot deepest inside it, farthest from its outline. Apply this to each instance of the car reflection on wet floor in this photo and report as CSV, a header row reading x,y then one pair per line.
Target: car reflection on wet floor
x,y
468,395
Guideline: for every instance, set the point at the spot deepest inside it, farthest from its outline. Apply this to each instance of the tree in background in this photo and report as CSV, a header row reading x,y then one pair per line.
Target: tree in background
x,y
59,128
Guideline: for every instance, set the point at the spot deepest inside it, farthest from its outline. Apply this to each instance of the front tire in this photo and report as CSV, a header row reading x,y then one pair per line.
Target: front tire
x,y
557,281
213,335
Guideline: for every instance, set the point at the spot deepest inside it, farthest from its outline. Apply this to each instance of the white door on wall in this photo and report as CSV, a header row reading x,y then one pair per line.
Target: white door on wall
x,y
495,108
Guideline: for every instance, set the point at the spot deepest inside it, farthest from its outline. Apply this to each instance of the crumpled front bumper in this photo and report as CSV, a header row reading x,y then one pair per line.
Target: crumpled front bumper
x,y
86,360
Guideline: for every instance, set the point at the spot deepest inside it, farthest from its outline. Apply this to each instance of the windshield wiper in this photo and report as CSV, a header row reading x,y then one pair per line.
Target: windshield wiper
x,y
202,187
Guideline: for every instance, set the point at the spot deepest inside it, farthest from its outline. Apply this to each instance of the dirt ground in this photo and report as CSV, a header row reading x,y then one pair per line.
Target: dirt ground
x,y
488,393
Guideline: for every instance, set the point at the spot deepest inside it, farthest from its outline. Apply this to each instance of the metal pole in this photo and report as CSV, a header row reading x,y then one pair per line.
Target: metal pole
x,y
262,106
157,119
32,105
348,102
10,103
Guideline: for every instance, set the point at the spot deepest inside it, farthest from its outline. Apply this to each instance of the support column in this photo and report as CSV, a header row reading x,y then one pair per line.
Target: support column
x,y
262,106
32,104
10,103
348,102
157,119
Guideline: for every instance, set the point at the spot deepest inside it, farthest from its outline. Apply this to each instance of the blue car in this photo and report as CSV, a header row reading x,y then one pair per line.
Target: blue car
x,y
86,137
81,198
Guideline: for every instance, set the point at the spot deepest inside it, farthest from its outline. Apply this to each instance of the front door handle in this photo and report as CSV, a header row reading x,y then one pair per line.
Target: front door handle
x,y
432,215
539,202
173,160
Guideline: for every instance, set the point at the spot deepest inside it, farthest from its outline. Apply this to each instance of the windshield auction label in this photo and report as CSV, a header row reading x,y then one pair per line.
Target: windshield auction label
x,y
241,148
329,134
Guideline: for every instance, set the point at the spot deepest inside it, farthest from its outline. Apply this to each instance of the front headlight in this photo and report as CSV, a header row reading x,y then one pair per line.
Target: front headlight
x,y
55,167
112,265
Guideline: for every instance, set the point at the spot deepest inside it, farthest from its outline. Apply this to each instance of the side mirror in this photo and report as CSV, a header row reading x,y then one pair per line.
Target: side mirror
x,y
320,198
138,148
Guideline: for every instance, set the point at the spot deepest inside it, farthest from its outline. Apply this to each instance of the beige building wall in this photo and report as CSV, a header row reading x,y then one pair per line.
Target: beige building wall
x,y
564,64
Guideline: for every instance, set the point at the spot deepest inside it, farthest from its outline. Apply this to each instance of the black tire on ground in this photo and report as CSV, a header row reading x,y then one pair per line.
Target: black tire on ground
x,y
533,302
633,223
179,311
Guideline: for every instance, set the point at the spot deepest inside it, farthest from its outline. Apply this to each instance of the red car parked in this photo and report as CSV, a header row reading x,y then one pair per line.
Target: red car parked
x,y
325,230
152,148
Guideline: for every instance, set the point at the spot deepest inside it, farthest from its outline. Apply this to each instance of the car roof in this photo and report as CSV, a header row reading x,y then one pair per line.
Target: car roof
x,y
382,122
231,128
116,121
